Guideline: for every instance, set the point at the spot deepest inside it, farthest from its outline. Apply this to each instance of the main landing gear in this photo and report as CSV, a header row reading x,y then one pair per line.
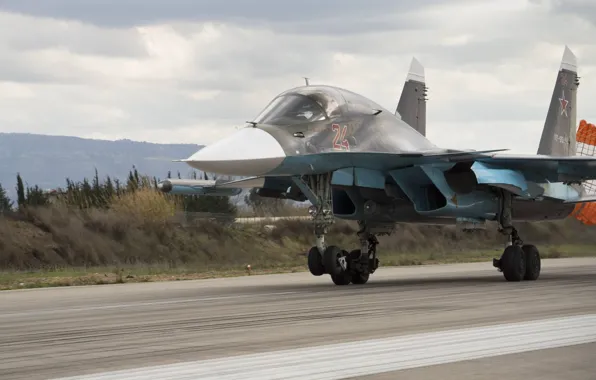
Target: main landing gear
x,y
346,267
342,266
519,261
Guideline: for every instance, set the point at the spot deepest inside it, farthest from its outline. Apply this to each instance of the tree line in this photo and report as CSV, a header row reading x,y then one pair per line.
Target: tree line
x,y
99,194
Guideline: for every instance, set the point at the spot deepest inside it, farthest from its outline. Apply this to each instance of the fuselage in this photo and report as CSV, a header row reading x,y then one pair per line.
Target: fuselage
x,y
293,135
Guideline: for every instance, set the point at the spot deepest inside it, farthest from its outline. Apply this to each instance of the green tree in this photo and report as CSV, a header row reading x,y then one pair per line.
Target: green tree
x,y
263,206
36,197
21,200
136,175
109,188
5,202
117,187
210,204
207,204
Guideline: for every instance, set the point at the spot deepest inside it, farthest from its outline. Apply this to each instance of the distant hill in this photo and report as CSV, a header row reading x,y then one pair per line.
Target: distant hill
x,y
48,160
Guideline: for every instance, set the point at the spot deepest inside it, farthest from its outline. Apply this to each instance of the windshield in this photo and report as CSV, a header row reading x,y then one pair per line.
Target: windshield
x,y
291,109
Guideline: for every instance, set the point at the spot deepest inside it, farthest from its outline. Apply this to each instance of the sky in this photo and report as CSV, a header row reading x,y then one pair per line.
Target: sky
x,y
194,71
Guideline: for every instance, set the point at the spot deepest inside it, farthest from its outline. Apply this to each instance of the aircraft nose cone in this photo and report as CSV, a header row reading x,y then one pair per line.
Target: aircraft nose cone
x,y
248,152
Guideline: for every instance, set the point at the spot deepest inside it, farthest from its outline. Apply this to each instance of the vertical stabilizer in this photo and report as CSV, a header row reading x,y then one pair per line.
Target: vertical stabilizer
x,y
412,102
559,133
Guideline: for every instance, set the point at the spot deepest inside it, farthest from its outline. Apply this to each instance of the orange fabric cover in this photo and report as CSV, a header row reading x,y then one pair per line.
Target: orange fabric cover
x,y
586,134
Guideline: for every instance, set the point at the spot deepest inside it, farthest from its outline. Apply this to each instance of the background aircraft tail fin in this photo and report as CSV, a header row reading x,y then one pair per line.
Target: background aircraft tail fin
x,y
412,102
559,132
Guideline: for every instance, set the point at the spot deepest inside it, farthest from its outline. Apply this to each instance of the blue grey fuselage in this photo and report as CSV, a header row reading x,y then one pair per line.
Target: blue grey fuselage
x,y
371,191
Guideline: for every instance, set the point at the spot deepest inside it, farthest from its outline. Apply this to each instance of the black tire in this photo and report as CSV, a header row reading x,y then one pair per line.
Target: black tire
x,y
330,260
513,263
360,278
315,262
343,278
533,262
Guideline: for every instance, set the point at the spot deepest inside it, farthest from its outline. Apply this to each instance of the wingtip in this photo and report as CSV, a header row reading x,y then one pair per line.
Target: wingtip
x,y
569,60
416,71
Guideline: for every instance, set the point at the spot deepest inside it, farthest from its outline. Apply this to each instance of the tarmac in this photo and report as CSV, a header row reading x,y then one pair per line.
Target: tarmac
x,y
461,321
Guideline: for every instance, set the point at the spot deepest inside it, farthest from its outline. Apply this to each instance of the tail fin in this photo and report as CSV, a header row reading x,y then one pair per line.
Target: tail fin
x,y
412,102
559,133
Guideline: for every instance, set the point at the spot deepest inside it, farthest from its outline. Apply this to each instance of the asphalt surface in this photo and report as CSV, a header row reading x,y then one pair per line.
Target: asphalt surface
x,y
59,332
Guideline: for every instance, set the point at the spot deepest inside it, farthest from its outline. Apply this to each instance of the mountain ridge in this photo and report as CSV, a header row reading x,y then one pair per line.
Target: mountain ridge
x,y
47,160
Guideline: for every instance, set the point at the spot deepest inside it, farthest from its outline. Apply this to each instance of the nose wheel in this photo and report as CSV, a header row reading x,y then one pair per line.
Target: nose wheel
x,y
336,262
315,262
342,266
346,267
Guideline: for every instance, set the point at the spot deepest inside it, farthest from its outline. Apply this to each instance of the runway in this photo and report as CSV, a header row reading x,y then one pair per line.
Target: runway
x,y
445,322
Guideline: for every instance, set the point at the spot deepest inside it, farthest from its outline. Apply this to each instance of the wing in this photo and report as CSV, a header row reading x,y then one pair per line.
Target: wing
x,y
539,168
536,168
384,161
244,183
584,199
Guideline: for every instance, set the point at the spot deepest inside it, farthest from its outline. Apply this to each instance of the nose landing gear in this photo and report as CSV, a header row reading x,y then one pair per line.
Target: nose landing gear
x,y
347,267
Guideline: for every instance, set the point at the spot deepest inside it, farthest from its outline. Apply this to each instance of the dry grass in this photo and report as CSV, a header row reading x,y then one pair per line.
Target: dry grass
x,y
136,240
147,205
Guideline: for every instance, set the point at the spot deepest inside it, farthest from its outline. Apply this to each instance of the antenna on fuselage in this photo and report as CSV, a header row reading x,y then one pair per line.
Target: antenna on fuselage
x,y
306,80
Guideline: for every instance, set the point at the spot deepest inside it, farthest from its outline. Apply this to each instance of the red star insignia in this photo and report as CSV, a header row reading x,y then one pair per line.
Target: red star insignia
x,y
564,103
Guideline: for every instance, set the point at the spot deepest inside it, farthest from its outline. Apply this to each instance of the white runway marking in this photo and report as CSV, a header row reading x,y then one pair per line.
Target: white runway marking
x,y
338,361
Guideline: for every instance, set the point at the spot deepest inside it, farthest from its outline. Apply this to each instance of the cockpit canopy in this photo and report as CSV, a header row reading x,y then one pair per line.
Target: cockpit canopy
x,y
290,109
313,103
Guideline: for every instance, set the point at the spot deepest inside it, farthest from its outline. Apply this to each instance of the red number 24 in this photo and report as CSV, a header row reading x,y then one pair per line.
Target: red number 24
x,y
340,135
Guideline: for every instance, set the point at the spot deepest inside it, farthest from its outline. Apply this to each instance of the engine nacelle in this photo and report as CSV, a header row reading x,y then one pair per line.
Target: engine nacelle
x,y
464,178
461,178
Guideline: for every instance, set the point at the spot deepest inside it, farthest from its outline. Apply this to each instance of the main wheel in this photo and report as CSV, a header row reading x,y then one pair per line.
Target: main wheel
x,y
513,263
359,272
360,278
315,262
343,278
331,259
533,265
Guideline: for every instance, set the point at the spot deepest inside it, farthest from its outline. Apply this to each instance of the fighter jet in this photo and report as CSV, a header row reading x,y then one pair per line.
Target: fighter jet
x,y
353,159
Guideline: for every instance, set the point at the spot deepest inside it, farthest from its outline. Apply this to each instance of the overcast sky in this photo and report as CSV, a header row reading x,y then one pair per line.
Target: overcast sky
x,y
190,71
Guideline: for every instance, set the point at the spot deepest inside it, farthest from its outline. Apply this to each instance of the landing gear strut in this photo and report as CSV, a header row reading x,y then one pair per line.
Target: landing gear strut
x,y
364,261
342,266
519,261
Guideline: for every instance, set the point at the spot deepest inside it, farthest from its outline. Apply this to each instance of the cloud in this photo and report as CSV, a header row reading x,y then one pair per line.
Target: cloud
x,y
193,71
126,13
582,9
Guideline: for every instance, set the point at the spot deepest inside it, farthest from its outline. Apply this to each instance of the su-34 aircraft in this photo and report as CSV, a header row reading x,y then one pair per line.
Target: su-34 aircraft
x,y
353,159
